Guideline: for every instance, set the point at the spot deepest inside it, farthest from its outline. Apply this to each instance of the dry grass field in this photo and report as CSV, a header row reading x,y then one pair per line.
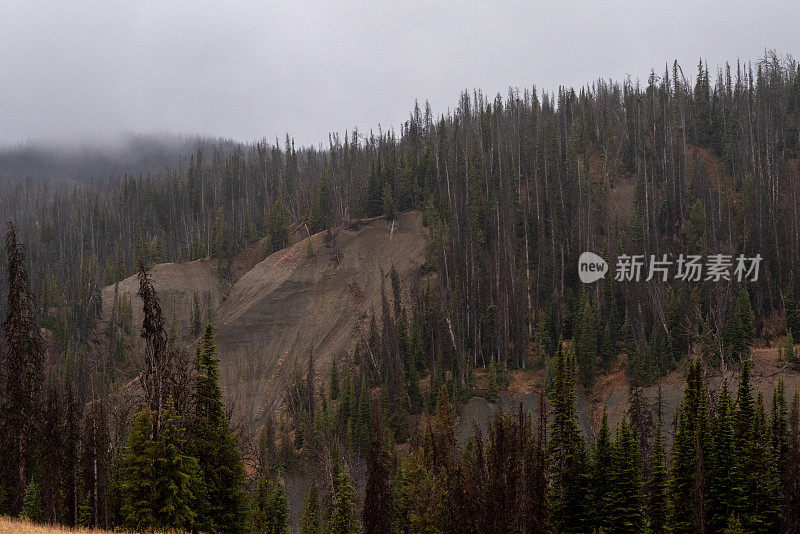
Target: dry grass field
x,y
16,526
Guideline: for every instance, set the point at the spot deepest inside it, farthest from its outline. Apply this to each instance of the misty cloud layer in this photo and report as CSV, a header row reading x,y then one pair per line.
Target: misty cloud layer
x,y
91,71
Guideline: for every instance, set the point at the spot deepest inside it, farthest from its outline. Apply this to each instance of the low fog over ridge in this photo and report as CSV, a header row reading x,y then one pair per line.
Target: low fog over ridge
x,y
96,160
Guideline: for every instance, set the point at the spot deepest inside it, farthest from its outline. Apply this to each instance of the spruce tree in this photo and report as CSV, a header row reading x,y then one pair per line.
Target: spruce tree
x,y
363,418
534,506
20,396
32,503
173,499
311,520
276,227
343,516
214,445
626,510
378,504
567,453
791,482
138,474
788,348
725,485
689,452
747,449
764,490
739,331
601,474
657,503
734,526
792,314
779,420
389,208
414,393
586,346
270,507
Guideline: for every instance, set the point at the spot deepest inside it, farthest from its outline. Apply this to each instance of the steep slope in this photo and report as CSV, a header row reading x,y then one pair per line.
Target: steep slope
x,y
291,306
176,284
283,309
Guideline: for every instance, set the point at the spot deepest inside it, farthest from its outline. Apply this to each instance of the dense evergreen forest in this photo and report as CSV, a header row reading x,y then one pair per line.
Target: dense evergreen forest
x,y
512,191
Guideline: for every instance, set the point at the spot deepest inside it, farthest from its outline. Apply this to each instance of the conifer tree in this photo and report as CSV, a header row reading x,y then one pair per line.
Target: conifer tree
x,y
362,419
94,463
415,354
734,526
267,445
789,354
689,452
747,449
173,499
601,474
21,373
792,314
725,485
778,433
739,331
763,488
311,520
343,517
270,507
567,453
197,319
389,208
378,504
52,454
744,416
658,486
626,510
138,474
277,227
414,393
32,503
791,482
214,445
156,377
532,494
586,347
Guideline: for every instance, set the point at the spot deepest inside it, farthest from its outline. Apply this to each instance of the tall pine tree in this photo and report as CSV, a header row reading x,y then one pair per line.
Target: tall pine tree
x,y
214,445
567,454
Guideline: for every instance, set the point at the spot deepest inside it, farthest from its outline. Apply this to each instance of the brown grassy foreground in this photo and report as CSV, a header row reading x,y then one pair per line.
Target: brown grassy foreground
x,y
17,526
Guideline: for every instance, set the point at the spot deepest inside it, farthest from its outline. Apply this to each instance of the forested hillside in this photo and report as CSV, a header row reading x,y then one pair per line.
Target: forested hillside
x,y
511,191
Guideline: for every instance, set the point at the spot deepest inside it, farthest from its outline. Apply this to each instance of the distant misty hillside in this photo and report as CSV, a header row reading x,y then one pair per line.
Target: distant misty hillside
x,y
89,162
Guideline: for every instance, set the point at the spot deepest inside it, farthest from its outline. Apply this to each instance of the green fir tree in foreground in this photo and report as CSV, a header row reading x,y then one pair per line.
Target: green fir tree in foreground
x,y
567,452
215,446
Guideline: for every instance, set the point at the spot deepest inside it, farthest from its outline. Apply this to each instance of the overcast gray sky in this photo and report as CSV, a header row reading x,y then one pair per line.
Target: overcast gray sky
x,y
90,70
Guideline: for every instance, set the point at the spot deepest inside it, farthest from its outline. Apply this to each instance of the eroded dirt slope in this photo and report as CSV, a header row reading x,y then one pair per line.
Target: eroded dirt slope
x,y
282,309
291,305
176,284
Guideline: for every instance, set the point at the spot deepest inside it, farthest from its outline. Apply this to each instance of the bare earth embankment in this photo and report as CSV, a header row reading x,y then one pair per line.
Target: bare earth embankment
x,y
280,311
